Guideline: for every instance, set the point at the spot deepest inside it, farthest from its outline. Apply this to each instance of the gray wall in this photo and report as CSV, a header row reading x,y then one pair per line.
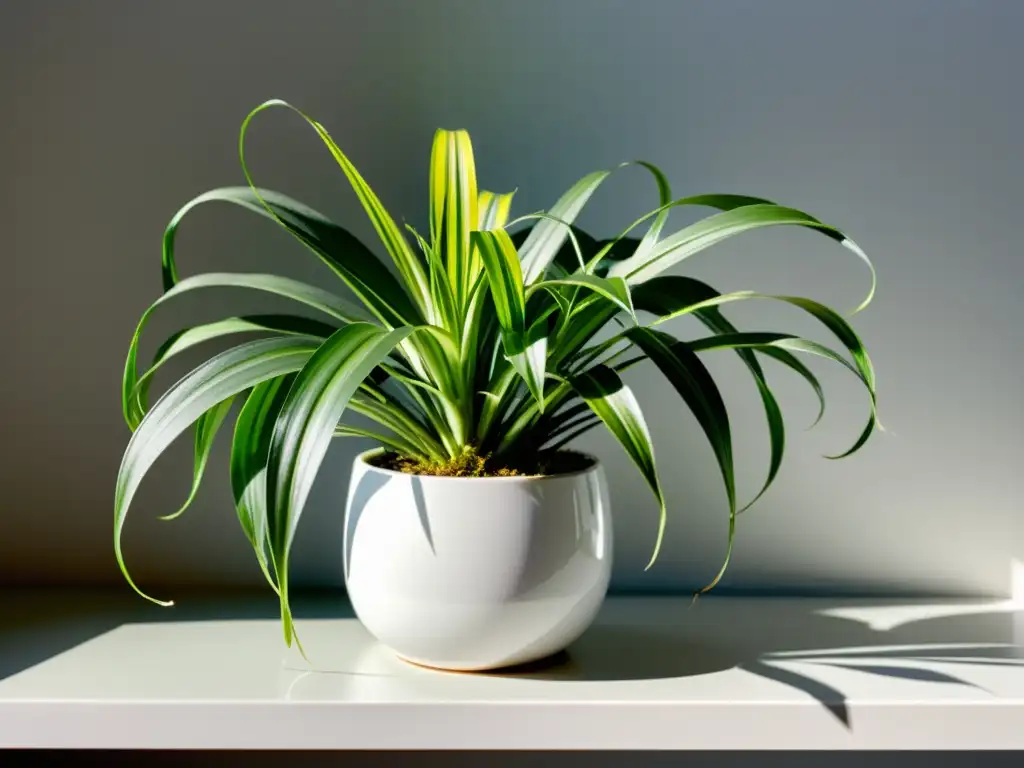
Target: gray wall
x,y
900,122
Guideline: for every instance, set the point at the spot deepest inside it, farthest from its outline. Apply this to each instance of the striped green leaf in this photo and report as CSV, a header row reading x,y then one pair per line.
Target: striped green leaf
x,y
544,242
623,247
409,267
831,319
667,294
612,288
383,296
588,318
442,310
291,325
616,405
650,240
493,209
774,343
391,440
827,317
531,362
250,451
206,429
219,378
501,264
721,226
546,238
454,208
303,430
309,295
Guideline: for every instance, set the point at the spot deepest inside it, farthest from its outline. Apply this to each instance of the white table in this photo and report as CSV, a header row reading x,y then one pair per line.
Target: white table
x,y
107,670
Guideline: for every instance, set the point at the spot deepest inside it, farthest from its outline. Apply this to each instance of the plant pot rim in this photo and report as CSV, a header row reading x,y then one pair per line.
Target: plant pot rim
x,y
593,465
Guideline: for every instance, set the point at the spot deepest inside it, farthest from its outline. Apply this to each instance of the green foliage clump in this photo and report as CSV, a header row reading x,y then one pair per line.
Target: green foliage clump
x,y
491,338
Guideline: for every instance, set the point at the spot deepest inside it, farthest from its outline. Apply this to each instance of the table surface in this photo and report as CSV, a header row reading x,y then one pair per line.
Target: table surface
x,y
81,668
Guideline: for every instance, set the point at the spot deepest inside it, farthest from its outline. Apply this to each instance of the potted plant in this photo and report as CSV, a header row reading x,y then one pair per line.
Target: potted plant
x,y
473,538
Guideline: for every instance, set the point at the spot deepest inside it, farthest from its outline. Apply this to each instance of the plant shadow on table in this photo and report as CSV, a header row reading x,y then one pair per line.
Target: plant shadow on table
x,y
779,640
926,642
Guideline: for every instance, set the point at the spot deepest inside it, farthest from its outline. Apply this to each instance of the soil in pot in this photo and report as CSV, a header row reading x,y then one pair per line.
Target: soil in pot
x,y
473,464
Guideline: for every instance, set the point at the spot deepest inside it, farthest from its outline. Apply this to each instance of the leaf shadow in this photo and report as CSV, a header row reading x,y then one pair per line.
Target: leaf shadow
x,y
367,487
776,633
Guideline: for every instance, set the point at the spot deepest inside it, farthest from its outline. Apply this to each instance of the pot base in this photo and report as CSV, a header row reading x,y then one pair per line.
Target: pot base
x,y
542,663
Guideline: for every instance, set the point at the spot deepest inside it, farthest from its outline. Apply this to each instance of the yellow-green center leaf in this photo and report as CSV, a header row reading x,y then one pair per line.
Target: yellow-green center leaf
x,y
494,209
501,264
454,208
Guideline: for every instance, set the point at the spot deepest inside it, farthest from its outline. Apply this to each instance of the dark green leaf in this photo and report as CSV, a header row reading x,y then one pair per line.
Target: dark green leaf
x,y
206,431
693,382
714,229
614,403
343,253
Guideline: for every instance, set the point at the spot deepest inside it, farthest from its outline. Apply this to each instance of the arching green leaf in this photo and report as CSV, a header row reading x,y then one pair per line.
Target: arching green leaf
x,y
405,260
303,430
221,377
528,355
250,450
206,431
309,295
694,383
291,325
714,229
614,403
372,282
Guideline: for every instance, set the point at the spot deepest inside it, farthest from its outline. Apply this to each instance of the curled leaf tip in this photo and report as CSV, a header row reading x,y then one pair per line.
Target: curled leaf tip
x,y
852,246
161,603
661,535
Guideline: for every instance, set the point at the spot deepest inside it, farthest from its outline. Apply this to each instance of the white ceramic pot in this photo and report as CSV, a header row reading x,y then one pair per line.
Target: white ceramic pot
x,y
476,573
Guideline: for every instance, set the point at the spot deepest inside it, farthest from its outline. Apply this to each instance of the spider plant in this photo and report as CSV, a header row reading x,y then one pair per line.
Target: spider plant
x,y
499,335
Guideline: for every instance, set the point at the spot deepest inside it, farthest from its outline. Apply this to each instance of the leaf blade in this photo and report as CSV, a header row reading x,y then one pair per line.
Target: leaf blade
x,y
454,208
222,376
250,451
304,426
290,325
616,406
614,288
526,351
695,385
713,229
388,232
296,290
546,238
343,253
206,431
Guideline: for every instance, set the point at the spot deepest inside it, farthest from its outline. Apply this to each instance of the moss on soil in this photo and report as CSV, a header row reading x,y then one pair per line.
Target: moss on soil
x,y
472,464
